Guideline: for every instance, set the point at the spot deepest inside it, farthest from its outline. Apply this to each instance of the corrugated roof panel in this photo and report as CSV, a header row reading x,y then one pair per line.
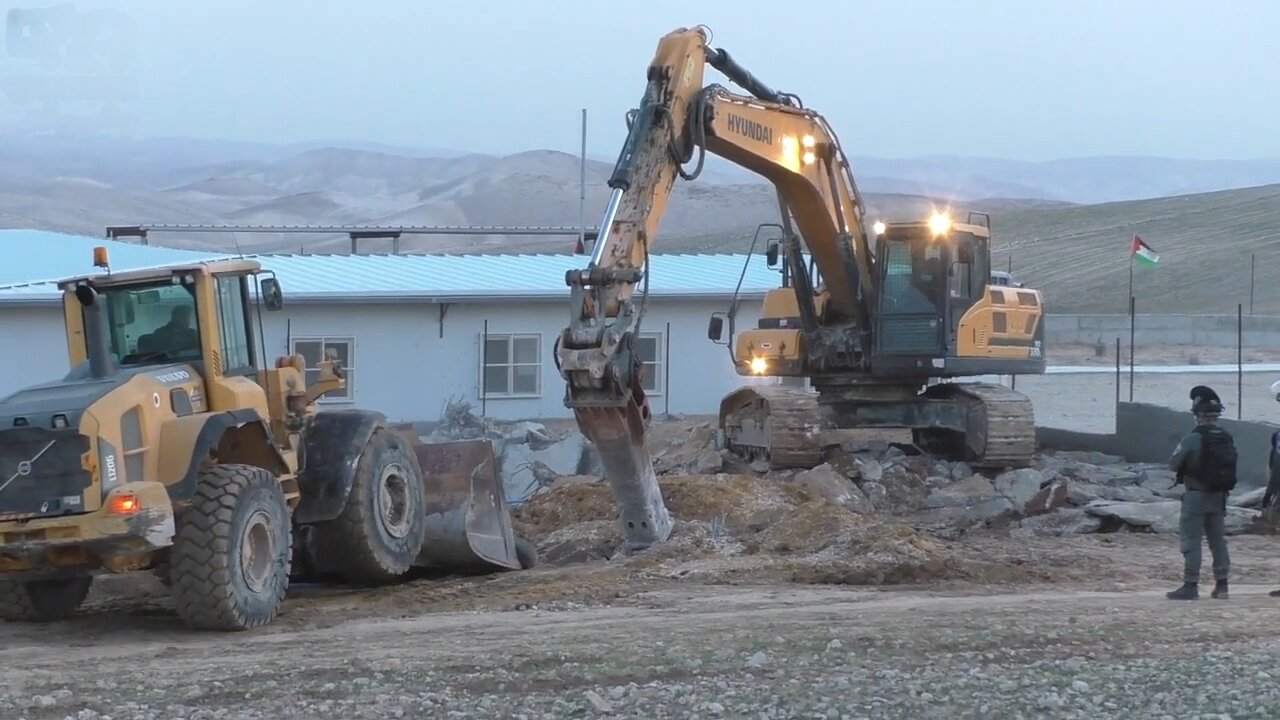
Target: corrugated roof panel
x,y
462,276
36,255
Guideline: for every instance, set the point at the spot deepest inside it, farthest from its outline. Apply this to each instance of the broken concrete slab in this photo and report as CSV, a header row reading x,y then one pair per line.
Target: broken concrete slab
x,y
1067,521
1250,499
970,491
1161,516
1050,498
1083,493
1019,486
828,483
524,469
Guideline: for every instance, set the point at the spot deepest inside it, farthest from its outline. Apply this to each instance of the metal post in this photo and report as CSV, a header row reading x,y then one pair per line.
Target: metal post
x,y
1239,361
1132,305
666,370
1117,374
1252,263
582,186
484,369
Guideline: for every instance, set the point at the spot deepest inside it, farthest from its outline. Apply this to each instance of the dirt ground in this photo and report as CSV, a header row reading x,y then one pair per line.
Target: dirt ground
x,y
1061,628
765,603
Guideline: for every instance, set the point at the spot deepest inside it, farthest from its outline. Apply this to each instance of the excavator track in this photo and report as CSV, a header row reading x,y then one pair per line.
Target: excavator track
x,y
785,426
780,425
1002,424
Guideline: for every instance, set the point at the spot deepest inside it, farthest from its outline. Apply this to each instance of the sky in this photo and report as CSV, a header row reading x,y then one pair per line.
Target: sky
x,y
1013,79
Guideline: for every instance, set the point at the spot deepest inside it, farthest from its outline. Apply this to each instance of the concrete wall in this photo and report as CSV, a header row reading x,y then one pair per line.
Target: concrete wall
x,y
1149,433
33,347
1151,329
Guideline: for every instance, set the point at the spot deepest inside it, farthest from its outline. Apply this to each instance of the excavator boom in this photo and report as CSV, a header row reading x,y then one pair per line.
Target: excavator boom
x,y
768,133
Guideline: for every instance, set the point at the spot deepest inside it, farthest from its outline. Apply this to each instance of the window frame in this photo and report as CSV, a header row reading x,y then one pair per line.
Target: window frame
x,y
658,365
486,393
242,280
350,342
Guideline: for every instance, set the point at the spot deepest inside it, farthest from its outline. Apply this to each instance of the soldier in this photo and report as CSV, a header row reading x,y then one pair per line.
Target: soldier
x,y
1271,498
1205,461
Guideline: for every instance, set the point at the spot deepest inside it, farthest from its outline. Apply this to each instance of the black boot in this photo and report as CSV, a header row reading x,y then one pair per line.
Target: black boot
x,y
1188,591
1274,593
1219,590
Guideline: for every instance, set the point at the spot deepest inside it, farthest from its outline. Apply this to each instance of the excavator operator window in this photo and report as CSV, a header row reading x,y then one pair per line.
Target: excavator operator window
x,y
913,275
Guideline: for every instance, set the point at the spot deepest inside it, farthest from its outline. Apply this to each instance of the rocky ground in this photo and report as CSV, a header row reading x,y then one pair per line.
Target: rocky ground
x,y
882,584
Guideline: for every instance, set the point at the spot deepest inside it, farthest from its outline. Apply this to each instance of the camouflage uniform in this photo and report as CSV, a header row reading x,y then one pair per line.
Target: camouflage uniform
x,y
1204,512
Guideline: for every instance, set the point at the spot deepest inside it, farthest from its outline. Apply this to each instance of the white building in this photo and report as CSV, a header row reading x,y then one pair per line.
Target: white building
x,y
410,328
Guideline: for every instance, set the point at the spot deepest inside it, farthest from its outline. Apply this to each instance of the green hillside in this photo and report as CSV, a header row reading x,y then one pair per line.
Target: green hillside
x,y
1079,255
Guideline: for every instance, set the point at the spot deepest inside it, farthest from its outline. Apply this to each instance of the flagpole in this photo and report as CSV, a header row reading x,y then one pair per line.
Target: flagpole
x,y
1131,321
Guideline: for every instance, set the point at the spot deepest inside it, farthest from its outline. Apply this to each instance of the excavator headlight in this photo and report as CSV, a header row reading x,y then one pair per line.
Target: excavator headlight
x,y
878,228
939,223
808,157
758,365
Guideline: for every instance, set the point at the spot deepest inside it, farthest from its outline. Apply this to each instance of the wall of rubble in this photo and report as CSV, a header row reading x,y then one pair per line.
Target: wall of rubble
x,y
1148,433
1151,329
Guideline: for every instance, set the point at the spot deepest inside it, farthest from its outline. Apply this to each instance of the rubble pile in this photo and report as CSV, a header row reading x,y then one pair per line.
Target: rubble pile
x,y
738,516
1063,493
530,457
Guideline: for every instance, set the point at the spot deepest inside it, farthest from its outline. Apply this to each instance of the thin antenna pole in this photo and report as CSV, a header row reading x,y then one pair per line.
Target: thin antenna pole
x,y
582,186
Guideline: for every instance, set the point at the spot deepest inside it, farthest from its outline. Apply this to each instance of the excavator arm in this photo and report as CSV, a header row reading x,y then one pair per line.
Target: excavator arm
x,y
767,132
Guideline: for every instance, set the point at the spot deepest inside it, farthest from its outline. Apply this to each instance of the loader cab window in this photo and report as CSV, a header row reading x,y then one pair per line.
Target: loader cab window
x,y
153,324
233,320
914,273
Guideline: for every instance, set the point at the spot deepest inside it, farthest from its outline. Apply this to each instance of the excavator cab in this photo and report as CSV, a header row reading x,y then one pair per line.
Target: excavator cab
x,y
938,309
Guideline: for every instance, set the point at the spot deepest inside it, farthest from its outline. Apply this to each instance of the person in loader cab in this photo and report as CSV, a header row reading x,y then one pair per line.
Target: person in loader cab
x,y
177,335
1205,461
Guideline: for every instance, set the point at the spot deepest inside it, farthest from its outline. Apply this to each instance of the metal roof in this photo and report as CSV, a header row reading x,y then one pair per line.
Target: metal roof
x,y
441,278
33,256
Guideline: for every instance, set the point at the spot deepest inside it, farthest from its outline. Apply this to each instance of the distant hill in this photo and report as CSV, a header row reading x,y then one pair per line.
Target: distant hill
x,y
1068,222
1079,255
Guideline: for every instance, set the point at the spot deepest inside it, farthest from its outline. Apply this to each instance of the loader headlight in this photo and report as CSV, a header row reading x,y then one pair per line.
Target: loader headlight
x,y
758,365
878,228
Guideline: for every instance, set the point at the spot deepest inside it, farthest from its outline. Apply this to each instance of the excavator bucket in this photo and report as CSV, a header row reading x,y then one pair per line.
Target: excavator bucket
x,y
468,521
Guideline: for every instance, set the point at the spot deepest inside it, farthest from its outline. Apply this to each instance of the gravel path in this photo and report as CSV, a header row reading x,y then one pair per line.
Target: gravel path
x,y
754,652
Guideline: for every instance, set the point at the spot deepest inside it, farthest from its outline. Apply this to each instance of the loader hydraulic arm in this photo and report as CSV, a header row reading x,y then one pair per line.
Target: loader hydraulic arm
x,y
769,133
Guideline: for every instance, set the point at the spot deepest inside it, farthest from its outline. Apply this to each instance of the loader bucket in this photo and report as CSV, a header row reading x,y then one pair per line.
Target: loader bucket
x,y
468,521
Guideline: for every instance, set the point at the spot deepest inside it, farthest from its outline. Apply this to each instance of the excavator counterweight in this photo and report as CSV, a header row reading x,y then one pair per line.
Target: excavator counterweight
x,y
871,320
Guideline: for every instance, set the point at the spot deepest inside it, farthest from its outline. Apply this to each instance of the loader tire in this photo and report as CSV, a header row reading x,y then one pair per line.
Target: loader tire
x,y
379,534
42,600
230,561
526,553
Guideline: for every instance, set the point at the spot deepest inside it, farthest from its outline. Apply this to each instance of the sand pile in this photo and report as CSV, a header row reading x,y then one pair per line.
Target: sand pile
x,y
730,523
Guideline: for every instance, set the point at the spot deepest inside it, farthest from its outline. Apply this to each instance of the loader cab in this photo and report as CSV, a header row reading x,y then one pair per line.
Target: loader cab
x,y
189,319
931,273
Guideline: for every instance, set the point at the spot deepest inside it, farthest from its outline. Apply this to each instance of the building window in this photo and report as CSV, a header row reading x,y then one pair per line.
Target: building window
x,y
312,350
512,365
649,347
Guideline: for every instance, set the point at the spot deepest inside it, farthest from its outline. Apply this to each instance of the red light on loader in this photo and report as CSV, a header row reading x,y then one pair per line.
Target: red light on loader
x,y
123,505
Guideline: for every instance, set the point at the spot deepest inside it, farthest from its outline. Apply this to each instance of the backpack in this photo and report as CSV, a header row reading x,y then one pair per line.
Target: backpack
x,y
1217,467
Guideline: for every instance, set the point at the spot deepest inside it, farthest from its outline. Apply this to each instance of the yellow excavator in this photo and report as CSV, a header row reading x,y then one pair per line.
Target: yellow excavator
x,y
872,320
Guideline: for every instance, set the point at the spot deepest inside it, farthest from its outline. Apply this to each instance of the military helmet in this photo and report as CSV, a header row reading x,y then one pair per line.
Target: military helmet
x,y
1205,402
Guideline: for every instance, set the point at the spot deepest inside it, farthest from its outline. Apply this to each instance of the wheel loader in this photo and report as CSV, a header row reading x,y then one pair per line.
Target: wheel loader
x,y
171,446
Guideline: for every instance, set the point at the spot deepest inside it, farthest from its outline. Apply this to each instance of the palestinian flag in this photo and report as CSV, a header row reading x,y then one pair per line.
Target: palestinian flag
x,y
1142,253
